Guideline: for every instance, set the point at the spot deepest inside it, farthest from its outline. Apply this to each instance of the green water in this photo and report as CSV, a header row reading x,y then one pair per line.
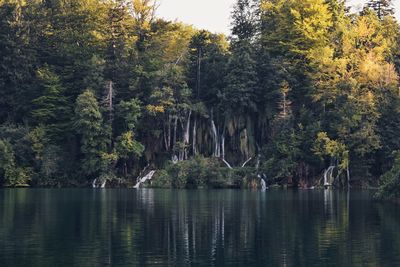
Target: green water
x,y
82,227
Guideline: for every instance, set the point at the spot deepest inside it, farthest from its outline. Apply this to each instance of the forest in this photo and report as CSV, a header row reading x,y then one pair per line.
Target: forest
x,y
301,93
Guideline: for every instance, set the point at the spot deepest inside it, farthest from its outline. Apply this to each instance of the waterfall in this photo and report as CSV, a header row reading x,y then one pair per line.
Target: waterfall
x,y
146,178
94,183
328,179
223,145
186,135
227,164
247,161
263,183
103,184
194,147
215,135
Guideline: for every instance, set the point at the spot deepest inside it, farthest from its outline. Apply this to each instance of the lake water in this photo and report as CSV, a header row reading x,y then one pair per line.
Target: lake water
x,y
83,227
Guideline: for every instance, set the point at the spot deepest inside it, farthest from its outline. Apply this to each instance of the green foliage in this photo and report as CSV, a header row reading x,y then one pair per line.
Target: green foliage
x,y
51,107
324,146
199,173
242,81
126,146
7,160
299,84
17,62
130,112
89,124
10,173
390,188
282,154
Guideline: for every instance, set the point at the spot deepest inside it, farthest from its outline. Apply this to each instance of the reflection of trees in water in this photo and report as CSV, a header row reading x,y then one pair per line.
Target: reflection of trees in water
x,y
200,227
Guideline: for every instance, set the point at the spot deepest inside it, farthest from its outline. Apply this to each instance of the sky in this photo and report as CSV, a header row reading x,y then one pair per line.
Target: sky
x,y
214,15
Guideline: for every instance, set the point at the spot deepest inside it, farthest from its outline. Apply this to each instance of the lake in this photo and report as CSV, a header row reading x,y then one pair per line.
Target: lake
x,y
84,227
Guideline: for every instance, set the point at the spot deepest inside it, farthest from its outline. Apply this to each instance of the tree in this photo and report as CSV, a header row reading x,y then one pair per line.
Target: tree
x,y
89,124
129,112
297,85
382,8
7,161
17,62
127,148
245,19
390,189
51,108
143,13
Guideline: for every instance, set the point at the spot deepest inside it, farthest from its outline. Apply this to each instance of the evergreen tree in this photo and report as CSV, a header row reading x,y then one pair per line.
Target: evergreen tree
x,y
89,125
382,8
17,62
51,107
300,85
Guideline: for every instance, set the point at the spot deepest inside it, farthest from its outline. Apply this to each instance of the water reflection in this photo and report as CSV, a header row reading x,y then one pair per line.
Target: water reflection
x,y
205,228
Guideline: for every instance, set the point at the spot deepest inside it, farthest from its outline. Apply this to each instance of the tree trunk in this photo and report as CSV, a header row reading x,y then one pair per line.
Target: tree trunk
x,y
175,128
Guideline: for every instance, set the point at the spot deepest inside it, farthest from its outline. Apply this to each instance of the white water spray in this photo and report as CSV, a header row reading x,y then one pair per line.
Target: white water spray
x,y
94,183
227,164
216,141
328,176
175,159
146,178
245,163
263,183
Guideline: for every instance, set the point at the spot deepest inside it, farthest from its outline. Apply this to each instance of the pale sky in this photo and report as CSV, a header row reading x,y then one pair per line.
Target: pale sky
x,y
214,15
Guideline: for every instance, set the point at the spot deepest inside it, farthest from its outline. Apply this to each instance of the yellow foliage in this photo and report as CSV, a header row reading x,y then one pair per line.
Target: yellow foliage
x,y
155,109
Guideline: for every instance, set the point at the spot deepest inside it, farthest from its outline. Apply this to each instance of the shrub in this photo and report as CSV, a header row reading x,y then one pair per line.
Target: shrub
x,y
390,188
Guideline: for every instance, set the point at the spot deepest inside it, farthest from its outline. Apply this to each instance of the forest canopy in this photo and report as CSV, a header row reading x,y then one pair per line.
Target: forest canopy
x,y
100,89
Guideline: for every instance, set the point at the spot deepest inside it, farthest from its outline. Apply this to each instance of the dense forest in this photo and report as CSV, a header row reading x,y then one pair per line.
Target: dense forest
x,y
96,90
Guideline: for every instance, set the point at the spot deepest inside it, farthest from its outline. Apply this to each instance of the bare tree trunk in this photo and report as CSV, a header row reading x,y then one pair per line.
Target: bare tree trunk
x,y
175,128
108,102
348,177
125,169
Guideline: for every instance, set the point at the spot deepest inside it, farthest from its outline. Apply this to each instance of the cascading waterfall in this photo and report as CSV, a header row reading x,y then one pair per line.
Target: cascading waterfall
x,y
94,183
223,145
194,133
247,161
328,176
263,183
146,178
226,163
216,141
186,136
